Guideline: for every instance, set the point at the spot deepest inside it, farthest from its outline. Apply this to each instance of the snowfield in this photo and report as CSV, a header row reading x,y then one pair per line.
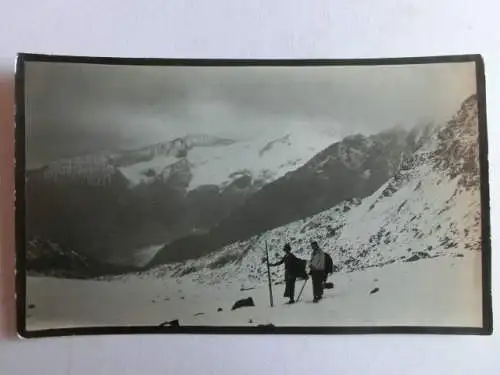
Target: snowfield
x,y
432,292
265,158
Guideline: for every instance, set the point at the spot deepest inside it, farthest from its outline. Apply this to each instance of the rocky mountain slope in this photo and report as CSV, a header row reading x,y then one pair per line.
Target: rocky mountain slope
x,y
352,168
430,207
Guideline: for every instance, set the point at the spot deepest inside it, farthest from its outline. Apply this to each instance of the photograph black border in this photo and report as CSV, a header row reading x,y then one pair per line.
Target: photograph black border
x,y
20,165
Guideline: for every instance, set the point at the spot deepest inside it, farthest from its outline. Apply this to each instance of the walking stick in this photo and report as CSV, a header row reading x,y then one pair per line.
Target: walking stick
x,y
302,289
269,278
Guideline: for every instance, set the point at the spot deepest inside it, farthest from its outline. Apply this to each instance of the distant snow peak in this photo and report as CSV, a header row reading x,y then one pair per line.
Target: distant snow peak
x,y
205,140
205,159
264,158
93,170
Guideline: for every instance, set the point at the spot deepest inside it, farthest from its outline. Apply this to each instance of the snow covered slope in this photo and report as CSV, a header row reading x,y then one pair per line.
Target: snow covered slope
x,y
354,167
265,158
219,162
208,160
406,296
429,208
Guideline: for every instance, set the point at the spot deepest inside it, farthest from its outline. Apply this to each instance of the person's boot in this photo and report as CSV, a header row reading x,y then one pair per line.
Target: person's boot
x,y
292,301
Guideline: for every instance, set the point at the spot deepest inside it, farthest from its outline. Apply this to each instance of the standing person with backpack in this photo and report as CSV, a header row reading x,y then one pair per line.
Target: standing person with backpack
x,y
292,265
318,271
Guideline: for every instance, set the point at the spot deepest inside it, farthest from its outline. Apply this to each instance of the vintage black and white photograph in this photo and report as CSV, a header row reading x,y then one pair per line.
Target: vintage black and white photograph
x,y
253,195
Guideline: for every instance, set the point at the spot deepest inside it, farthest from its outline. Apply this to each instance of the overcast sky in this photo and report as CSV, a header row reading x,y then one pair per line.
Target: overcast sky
x,y
79,108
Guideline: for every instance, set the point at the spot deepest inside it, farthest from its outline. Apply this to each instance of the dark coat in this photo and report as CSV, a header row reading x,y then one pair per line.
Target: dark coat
x,y
289,260
294,267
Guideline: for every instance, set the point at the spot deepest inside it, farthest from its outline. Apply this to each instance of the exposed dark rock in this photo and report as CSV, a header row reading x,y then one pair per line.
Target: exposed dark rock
x,y
245,302
170,323
219,309
363,253
242,289
417,256
374,291
413,258
401,206
329,285
448,243
390,261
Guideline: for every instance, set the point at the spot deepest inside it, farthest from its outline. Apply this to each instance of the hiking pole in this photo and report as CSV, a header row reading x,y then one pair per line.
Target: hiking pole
x,y
269,278
302,289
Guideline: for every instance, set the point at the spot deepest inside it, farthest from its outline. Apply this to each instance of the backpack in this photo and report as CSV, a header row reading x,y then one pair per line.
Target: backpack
x,y
300,268
328,264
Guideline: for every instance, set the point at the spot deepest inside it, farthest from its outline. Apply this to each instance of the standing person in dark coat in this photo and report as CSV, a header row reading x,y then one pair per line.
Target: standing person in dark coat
x,y
317,266
290,261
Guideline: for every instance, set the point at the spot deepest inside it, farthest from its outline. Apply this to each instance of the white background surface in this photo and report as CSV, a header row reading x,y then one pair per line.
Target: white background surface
x,y
244,29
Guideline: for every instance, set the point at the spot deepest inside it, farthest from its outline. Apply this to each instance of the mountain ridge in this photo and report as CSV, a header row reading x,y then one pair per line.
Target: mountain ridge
x,y
429,208
352,167
109,206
